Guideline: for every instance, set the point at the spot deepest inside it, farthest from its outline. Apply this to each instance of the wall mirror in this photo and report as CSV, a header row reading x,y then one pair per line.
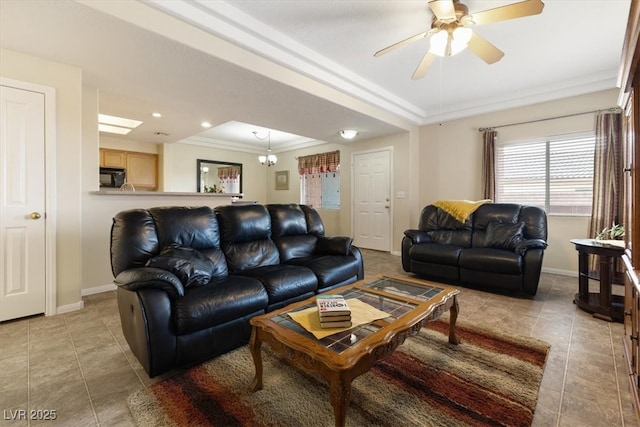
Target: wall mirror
x,y
219,177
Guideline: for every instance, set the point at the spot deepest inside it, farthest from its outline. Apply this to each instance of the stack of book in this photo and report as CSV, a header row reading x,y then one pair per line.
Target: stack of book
x,y
334,311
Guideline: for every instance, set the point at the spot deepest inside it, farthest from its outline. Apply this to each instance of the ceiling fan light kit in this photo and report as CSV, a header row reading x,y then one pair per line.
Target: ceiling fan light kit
x,y
450,33
449,43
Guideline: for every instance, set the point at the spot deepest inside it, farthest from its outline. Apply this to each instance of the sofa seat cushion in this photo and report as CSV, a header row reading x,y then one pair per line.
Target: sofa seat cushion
x,y
330,269
222,300
490,259
283,282
436,253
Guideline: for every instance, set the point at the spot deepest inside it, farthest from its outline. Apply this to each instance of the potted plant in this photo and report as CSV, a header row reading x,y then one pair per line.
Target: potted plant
x,y
615,232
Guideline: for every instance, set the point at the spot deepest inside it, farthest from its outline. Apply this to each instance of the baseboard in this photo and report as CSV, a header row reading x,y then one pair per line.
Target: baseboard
x,y
98,289
70,307
396,253
560,272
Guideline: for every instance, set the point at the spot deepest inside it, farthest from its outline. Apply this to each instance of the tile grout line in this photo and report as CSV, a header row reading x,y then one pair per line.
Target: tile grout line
x,y
84,380
615,371
566,366
135,371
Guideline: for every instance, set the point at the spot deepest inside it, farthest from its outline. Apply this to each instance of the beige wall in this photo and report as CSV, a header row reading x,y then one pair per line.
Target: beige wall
x,y
67,82
115,143
451,160
180,164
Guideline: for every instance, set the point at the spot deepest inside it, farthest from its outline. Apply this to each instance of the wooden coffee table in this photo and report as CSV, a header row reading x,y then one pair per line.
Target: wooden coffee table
x,y
342,357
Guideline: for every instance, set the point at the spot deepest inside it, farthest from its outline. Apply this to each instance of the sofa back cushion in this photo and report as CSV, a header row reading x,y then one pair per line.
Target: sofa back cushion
x,y
314,222
133,240
289,231
140,234
443,228
533,220
502,235
245,236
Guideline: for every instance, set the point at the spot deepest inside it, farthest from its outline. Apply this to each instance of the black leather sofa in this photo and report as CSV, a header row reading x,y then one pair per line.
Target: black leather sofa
x,y
499,246
189,279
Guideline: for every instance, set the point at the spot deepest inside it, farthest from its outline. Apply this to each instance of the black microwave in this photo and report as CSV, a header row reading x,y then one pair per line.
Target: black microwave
x,y
112,177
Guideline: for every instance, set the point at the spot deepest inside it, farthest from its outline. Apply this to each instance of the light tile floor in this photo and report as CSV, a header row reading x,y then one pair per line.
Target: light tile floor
x,y
80,366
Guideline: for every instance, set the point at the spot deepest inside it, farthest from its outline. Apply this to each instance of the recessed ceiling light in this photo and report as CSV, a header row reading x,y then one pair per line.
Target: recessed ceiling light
x,y
348,133
156,115
205,124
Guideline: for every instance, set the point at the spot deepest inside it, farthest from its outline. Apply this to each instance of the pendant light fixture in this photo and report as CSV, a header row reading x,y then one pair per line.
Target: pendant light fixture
x,y
269,159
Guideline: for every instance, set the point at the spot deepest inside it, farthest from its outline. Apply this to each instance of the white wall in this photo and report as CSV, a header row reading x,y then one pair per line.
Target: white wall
x,y
67,82
451,160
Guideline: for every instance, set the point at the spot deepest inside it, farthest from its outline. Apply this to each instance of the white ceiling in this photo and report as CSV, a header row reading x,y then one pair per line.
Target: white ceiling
x,y
305,68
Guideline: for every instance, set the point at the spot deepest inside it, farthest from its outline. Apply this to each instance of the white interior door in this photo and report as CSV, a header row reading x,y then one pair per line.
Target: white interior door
x,y
22,203
372,210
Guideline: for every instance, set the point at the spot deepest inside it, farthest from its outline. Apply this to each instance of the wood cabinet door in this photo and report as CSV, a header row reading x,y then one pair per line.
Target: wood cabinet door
x,y
112,158
142,170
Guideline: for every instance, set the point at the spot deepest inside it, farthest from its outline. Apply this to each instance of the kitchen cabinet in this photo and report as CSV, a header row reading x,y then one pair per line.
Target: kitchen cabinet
x,y
112,158
141,168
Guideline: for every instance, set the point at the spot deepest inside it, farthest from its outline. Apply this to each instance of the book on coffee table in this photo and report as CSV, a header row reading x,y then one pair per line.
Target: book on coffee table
x,y
332,305
335,324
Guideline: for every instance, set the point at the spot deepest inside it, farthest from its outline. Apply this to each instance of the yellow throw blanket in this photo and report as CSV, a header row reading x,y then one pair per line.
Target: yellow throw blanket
x,y
460,209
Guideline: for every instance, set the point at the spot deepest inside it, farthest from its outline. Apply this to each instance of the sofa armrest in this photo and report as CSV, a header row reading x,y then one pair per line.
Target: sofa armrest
x,y
150,278
418,236
525,245
333,245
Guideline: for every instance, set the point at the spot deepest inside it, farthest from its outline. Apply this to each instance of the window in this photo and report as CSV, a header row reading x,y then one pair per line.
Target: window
x,y
555,173
320,180
320,190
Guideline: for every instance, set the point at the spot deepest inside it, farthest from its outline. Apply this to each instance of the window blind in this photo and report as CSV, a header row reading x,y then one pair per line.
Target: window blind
x,y
554,173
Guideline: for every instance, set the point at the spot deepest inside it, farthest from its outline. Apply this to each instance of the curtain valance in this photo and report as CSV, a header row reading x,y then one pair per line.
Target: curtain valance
x,y
228,172
317,163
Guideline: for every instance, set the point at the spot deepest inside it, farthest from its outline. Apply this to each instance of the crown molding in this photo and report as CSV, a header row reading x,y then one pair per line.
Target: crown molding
x,y
223,20
250,148
604,80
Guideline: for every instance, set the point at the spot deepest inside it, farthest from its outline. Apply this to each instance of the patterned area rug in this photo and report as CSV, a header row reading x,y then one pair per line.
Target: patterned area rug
x,y
490,379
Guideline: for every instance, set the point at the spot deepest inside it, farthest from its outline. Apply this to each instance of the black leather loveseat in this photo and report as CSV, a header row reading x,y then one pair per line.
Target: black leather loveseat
x,y
498,246
190,278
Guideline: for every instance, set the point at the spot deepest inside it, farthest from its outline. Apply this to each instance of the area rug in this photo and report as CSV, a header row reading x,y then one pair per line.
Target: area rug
x,y
489,379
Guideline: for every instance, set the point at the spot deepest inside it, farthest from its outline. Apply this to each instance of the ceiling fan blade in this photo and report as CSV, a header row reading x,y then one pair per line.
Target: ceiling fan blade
x,y
485,50
511,11
443,10
401,43
424,65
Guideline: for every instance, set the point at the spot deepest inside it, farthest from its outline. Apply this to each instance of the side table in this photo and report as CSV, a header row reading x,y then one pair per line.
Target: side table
x,y
602,304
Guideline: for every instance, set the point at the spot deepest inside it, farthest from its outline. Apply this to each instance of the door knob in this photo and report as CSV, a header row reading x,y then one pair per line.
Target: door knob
x,y
386,207
35,215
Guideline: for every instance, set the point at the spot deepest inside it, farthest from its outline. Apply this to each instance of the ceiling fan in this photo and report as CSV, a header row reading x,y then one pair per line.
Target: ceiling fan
x,y
450,32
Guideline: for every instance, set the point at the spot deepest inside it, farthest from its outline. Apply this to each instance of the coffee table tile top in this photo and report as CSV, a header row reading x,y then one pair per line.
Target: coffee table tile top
x,y
403,293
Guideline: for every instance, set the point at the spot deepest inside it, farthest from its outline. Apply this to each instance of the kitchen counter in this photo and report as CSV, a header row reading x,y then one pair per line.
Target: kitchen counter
x,y
115,192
